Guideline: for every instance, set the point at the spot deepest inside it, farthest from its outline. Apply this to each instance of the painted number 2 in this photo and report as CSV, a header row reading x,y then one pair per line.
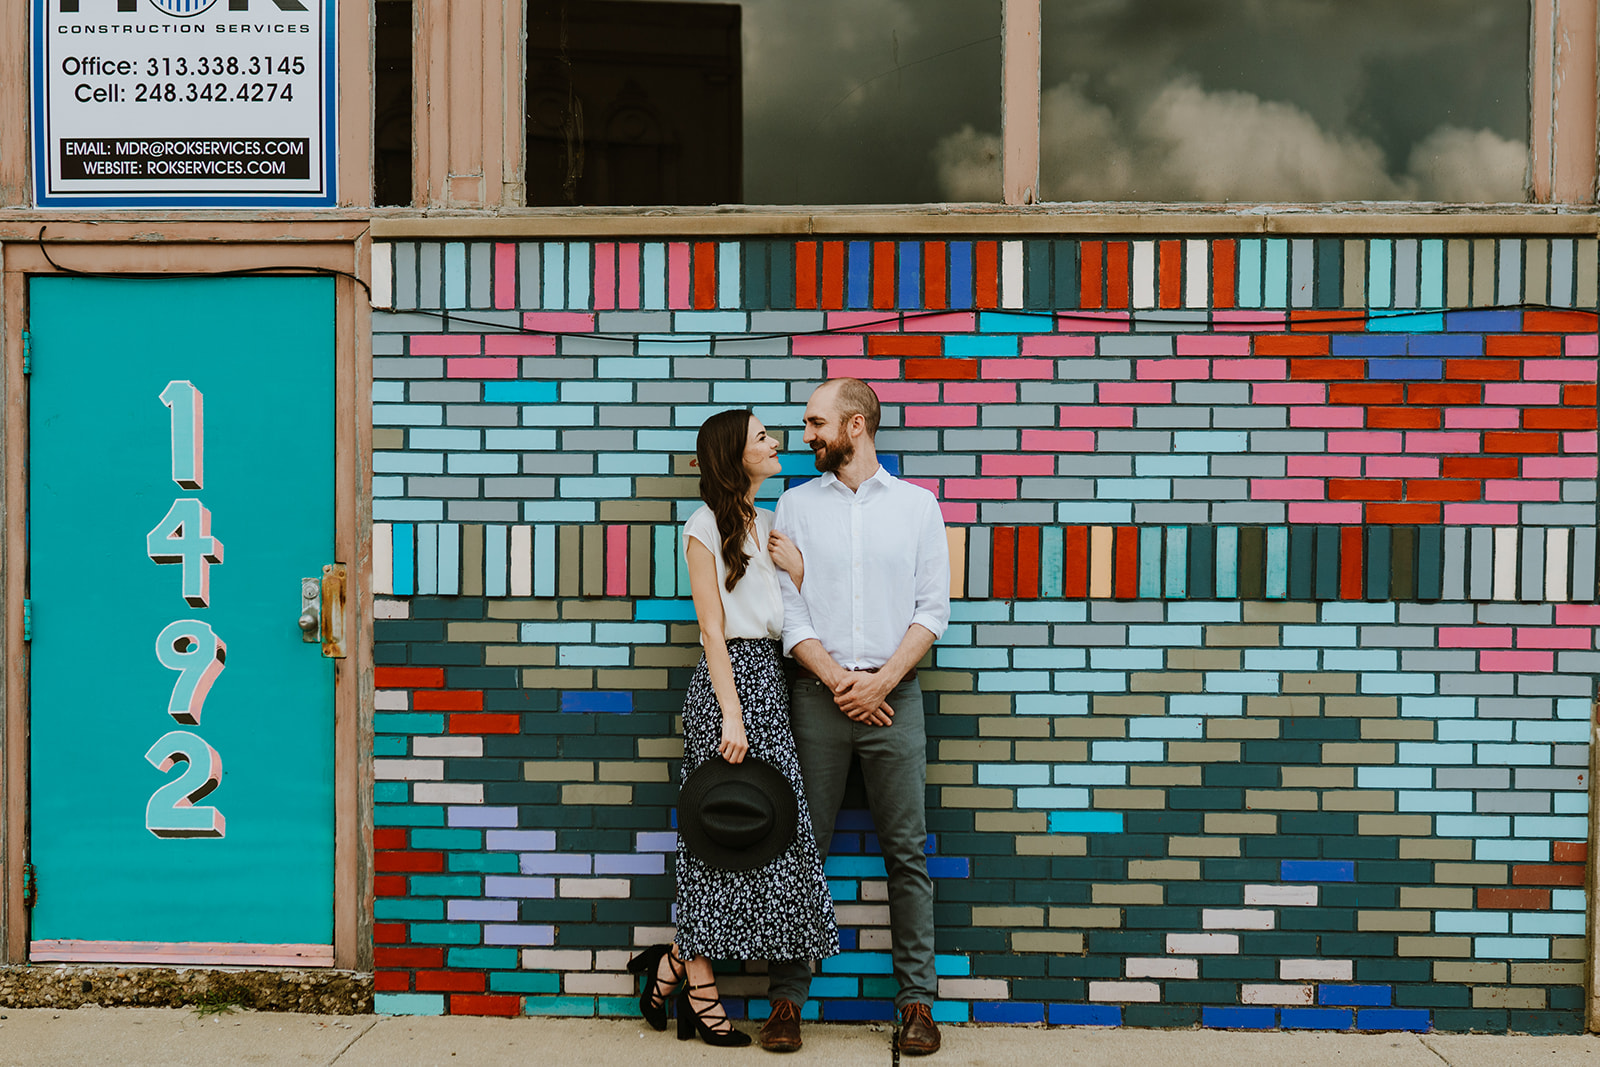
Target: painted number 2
x,y
191,647
172,811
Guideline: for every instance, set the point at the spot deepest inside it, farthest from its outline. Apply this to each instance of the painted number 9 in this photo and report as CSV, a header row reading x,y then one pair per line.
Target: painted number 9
x,y
194,649
171,811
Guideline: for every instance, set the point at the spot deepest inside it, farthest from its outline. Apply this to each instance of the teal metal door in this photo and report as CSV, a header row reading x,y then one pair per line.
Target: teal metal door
x,y
180,465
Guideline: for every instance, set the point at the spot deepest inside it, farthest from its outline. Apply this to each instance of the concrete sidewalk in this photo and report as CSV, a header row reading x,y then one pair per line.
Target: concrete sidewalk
x,y
135,1037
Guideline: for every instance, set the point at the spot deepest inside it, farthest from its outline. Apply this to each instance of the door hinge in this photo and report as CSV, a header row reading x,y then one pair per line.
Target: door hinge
x,y
27,352
27,620
30,886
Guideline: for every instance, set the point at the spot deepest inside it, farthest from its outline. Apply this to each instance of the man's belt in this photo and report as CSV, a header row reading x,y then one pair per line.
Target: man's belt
x,y
807,672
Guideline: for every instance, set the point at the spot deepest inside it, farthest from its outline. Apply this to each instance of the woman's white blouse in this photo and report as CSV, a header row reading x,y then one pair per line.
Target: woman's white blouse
x,y
755,607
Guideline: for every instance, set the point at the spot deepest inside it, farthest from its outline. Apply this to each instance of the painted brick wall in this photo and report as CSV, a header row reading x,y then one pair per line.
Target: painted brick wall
x,y
1266,700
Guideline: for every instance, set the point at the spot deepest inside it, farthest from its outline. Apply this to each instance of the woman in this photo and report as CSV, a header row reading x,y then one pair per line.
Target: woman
x,y
737,706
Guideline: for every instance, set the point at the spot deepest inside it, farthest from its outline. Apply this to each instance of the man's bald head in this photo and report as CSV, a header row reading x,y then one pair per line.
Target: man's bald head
x,y
852,397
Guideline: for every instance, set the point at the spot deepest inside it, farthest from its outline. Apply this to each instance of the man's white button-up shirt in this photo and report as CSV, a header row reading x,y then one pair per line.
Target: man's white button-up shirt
x,y
876,561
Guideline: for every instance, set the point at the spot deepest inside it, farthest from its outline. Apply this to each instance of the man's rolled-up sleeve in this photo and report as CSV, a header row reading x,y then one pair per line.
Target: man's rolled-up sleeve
x,y
932,610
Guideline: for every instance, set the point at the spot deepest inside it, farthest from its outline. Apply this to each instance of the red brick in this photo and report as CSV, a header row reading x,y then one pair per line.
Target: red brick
x,y
1444,393
389,933
486,723
1560,321
450,982
392,982
1521,344
1578,395
410,862
1558,418
389,837
1514,899
1546,874
1439,489
1280,345
1327,369
1366,393
469,1004
1479,466
1403,418
902,345
391,885
414,957
408,677
1363,489
1570,851
453,700
965,370
1403,514
1347,321
1510,441
1483,370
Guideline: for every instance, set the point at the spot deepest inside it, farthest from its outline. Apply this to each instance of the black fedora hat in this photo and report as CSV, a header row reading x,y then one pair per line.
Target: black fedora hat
x,y
737,816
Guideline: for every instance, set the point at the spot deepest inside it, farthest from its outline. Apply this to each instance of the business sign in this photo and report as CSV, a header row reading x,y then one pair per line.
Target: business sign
x,y
183,103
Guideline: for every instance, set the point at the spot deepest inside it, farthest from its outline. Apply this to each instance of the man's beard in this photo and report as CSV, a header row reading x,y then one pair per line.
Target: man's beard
x,y
833,455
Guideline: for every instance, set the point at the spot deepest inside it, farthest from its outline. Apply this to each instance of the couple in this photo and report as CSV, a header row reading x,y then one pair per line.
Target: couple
x,y
855,584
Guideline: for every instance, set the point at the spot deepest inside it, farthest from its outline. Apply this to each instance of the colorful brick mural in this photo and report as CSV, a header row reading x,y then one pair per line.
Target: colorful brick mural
x,y
1267,697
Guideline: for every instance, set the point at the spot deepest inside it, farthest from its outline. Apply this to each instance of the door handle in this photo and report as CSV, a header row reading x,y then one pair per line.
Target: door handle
x,y
322,608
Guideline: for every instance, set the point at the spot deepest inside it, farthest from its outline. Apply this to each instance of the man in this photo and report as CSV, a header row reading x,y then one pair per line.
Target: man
x,y
874,596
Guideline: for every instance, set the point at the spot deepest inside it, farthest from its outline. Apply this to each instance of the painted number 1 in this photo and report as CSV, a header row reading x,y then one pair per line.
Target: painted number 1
x,y
188,433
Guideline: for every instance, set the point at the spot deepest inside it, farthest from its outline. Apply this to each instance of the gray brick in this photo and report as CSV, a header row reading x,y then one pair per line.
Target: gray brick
x,y
441,487
1578,492
992,634
1091,370
1096,466
1124,345
641,415
556,367
446,393
1101,636
982,440
711,368
900,441
679,392
519,487
1006,512
1438,614
1034,415
1163,415
1509,707
1571,756
1216,489
482,415
483,511
1247,466
1475,685
1289,442
1265,417
1522,803
388,344
405,322
1166,512
1041,392
1212,393
1578,662
574,345
407,367
457,322
1058,488
1133,441
1555,685
1516,614
1397,637
1438,662
1557,515
557,463
1250,512
1472,778
939,465
633,322
1170,321
788,321
597,440
1548,778
751,346
1127,611
793,368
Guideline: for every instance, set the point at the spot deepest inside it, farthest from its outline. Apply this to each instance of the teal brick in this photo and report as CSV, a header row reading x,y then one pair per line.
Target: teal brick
x,y
456,933
616,1007
404,722
577,1006
444,885
483,959
526,982
483,862
409,815
408,1004
858,962
402,909
390,746
390,793
447,840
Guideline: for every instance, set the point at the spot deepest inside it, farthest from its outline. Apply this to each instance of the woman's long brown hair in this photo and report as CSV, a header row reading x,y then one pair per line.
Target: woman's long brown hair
x,y
725,484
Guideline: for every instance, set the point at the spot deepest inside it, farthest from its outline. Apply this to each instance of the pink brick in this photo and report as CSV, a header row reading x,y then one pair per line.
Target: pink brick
x,y
956,512
1289,393
1521,489
1335,512
1550,637
1475,637
1288,489
1579,441
1018,464
1012,370
505,276
1578,614
1560,466
558,321
1520,662
1481,514
905,392
519,344
1520,393
1096,416
1368,441
1093,322
1583,344
873,321
1189,370
446,344
1209,344
1324,466
829,344
1249,370
1402,467
942,322
481,367
1249,321
616,560
1443,443
1056,345
628,276
605,283
1559,370
1330,416
980,393
1482,418
678,275
1135,392
1058,440
981,488
940,415
930,484
865,369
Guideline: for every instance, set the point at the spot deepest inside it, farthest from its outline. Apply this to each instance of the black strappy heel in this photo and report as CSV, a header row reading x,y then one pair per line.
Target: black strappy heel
x,y
657,991
692,1022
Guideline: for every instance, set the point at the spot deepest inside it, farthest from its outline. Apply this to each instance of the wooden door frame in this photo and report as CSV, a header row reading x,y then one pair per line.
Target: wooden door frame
x,y
111,248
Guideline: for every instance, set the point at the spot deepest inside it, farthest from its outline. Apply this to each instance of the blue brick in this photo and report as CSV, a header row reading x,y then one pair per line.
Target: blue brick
x,y
1012,322
1317,871
1511,948
1015,774
1410,322
973,659
952,966
1472,922
1240,682
521,392
1568,732
630,633
951,1011
1421,707
1474,730
1285,659
1090,774
1362,344
1435,800
1096,513
860,1011
1429,370
408,1003
711,321
1394,778
1397,683
1320,636
1366,659
1168,726
1127,659
1430,754
1444,344
1483,321
855,867
949,867
1562,827
1317,1018
829,988
556,632
1415,1019
1204,611
596,700
969,345
1472,825
1507,850
663,610
1091,682
979,611
1014,682
1085,1015
1239,1018
1007,1011
859,962
1355,996
627,368
1085,822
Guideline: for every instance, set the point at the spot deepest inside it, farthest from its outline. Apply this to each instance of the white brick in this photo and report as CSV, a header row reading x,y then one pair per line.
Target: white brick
x,y
874,939
1160,967
391,700
1237,919
1316,970
390,609
1203,944
1124,992
874,891
595,888
1281,896
861,914
1296,995
645,936
407,770
447,793
447,745
974,989
557,959
614,960
608,985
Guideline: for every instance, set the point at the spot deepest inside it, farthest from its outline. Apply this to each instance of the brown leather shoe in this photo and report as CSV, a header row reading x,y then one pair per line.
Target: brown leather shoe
x,y
781,1031
918,1035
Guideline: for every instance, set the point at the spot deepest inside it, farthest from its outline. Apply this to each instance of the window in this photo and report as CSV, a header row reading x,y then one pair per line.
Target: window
x,y
391,103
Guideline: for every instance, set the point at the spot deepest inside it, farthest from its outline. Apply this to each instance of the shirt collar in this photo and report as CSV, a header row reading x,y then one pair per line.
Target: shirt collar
x,y
880,475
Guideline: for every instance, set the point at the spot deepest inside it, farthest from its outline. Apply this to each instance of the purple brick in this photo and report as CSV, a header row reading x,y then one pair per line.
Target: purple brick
x,y
509,886
519,935
520,840
656,841
624,864
475,816
482,910
556,863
